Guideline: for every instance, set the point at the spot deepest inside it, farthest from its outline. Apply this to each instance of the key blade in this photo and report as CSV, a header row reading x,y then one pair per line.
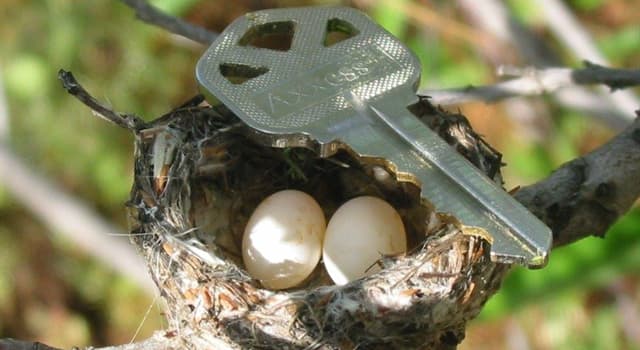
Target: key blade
x,y
461,189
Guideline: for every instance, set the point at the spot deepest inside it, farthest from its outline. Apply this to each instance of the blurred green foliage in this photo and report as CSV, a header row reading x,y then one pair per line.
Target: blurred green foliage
x,y
390,17
622,45
586,5
586,264
141,69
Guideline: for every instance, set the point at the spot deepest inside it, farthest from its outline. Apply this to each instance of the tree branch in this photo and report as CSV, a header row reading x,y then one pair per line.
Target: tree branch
x,y
150,14
534,81
586,195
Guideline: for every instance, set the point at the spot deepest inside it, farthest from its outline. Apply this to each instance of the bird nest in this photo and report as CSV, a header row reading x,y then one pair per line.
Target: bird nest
x,y
198,177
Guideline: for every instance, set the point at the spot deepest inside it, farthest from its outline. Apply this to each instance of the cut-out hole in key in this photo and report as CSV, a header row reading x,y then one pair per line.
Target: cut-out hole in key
x,y
239,73
274,36
338,30
354,96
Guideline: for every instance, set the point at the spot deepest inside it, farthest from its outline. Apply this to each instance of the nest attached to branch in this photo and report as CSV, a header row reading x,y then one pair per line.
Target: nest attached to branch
x,y
198,177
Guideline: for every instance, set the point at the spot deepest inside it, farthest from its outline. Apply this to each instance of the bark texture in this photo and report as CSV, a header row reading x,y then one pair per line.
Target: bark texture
x,y
588,194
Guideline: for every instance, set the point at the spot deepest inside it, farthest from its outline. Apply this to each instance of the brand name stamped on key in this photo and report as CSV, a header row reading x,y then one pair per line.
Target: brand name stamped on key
x,y
343,74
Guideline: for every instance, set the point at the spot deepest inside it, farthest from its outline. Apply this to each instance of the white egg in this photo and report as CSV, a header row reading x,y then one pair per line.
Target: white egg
x,y
359,233
282,241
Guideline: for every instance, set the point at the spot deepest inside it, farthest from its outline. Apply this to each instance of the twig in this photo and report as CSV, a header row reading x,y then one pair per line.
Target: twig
x,y
614,78
537,81
66,215
573,35
127,121
494,17
148,13
586,195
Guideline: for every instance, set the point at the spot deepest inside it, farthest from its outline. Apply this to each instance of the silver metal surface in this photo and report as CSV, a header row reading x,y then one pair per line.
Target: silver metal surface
x,y
354,94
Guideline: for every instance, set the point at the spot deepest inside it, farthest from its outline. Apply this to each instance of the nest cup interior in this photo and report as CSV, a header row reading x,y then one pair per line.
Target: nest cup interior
x,y
331,182
231,174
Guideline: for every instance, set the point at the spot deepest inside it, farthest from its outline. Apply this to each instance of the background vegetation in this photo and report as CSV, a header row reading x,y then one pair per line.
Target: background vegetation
x,y
587,298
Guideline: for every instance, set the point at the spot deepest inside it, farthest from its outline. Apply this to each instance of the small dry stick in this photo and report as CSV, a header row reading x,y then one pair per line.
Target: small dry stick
x,y
536,82
148,13
127,121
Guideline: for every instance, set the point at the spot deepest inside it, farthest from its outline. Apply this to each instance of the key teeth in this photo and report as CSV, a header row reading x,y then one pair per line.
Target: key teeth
x,y
508,259
539,261
536,261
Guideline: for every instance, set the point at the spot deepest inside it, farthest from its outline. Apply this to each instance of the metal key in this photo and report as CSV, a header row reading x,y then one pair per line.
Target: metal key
x,y
329,78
